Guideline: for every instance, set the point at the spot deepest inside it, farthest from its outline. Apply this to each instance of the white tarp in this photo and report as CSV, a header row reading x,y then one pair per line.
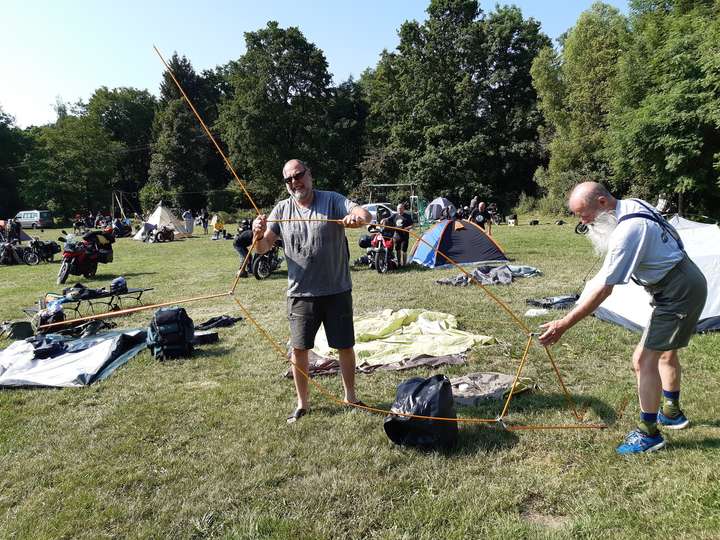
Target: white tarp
x,y
164,216
629,305
96,357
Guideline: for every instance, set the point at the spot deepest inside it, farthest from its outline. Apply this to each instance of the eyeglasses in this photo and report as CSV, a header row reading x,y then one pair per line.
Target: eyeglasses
x,y
296,176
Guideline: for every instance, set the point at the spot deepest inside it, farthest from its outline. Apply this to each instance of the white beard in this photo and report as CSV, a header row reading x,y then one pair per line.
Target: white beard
x,y
298,194
599,231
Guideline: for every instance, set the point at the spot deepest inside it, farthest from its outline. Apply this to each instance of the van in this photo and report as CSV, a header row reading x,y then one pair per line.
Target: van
x,y
35,219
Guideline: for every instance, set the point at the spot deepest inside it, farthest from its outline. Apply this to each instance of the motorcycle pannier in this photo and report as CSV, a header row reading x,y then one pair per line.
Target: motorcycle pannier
x,y
105,255
170,333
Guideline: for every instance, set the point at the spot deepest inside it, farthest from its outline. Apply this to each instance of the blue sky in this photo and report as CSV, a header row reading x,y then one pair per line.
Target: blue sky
x,y
67,49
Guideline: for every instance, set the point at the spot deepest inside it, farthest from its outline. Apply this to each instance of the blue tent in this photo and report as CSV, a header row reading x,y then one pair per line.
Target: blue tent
x,y
463,241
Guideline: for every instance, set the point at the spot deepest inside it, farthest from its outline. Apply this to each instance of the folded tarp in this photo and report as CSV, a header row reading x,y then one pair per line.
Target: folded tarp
x,y
83,362
387,337
487,275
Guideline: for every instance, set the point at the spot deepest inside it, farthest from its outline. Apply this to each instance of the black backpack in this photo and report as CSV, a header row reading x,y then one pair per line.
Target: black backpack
x,y
170,333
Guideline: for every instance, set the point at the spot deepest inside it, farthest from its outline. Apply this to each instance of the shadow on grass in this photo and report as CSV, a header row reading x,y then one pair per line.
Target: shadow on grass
x,y
707,443
531,402
124,274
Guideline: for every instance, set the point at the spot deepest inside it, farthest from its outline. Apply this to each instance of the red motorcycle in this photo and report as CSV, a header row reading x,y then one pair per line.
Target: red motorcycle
x,y
380,249
81,256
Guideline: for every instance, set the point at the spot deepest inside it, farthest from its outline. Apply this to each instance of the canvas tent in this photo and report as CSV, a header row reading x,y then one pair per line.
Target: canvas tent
x,y
164,216
629,305
462,241
3,231
434,210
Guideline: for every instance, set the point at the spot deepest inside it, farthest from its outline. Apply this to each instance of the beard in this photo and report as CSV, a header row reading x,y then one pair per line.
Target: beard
x,y
300,194
599,231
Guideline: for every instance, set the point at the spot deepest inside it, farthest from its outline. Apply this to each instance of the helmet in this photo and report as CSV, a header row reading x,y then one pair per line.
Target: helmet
x,y
108,229
119,284
245,224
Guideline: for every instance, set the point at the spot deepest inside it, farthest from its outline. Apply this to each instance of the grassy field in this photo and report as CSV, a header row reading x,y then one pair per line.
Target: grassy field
x,y
199,448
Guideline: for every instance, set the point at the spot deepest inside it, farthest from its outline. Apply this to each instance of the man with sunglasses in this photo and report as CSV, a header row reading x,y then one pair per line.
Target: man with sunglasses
x,y
311,223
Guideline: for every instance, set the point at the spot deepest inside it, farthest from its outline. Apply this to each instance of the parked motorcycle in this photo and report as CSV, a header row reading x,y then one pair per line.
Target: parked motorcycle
x,y
82,255
163,234
265,264
40,251
380,249
12,252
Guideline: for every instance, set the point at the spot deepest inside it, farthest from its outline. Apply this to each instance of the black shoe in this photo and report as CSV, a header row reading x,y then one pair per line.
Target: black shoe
x,y
296,415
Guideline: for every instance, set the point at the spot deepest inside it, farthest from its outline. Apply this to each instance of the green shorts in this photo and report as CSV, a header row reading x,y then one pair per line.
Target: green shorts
x,y
334,312
678,300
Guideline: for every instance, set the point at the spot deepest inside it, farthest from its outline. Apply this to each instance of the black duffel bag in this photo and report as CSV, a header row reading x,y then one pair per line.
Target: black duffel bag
x,y
423,397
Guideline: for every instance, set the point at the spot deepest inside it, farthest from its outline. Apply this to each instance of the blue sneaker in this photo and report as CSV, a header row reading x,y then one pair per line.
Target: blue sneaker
x,y
638,442
675,422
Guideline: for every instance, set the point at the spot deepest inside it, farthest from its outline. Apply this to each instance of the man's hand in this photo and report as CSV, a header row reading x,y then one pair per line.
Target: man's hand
x,y
351,221
553,332
259,226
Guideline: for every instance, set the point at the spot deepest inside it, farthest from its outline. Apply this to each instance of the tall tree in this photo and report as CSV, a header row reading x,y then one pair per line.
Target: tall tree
x,y
575,87
665,135
281,95
70,166
452,109
180,150
13,147
127,116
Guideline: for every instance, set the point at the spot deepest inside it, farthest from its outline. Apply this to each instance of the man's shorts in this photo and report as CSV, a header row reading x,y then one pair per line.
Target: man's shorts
x,y
678,301
401,240
334,312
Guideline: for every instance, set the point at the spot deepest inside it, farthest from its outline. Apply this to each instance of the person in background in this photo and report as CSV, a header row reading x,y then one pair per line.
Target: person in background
x,y
189,221
205,219
319,285
241,243
401,239
482,217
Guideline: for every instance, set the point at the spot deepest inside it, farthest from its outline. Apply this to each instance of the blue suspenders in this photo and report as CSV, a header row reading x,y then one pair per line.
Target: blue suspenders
x,y
653,215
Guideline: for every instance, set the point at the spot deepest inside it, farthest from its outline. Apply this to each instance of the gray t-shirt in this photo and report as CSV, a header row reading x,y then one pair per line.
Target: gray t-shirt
x,y
316,251
638,248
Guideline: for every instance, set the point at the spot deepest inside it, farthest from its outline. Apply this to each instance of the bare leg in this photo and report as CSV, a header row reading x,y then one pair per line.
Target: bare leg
x,y
645,364
300,362
670,371
347,372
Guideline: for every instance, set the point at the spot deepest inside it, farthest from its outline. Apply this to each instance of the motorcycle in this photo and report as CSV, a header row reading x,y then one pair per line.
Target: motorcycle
x,y
40,251
82,255
12,252
265,264
163,234
380,250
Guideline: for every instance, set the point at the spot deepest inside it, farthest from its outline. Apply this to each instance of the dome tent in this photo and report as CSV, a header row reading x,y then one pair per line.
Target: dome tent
x,y
629,304
433,211
464,242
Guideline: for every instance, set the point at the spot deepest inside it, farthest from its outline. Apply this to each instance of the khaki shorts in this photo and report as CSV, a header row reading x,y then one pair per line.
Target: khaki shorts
x,y
334,312
678,300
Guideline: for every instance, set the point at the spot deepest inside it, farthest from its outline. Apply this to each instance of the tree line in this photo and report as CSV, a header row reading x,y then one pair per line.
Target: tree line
x,y
469,103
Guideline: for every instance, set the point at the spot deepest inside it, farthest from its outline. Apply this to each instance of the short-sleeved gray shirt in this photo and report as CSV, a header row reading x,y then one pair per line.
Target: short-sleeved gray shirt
x,y
316,251
638,249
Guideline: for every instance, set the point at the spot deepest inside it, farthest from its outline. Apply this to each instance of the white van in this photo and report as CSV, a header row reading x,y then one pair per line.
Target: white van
x,y
35,219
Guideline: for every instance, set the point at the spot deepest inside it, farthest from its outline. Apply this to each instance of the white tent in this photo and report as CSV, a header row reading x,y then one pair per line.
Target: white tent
x,y
164,216
629,305
434,209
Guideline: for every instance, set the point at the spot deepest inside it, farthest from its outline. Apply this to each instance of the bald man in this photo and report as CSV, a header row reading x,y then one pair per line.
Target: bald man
x,y
319,286
641,245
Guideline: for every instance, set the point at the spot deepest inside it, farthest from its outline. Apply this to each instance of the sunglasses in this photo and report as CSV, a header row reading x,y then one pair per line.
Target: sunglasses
x,y
296,176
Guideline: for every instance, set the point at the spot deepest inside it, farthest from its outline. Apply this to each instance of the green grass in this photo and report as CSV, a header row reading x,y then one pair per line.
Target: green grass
x,y
199,448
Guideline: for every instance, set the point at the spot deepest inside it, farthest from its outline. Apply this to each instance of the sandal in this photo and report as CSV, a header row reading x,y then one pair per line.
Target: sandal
x,y
296,415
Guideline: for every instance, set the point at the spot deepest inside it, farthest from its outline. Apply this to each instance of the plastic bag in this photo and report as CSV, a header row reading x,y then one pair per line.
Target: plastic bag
x,y
424,397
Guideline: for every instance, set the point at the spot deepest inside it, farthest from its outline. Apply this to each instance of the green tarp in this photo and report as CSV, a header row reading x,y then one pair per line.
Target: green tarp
x,y
388,336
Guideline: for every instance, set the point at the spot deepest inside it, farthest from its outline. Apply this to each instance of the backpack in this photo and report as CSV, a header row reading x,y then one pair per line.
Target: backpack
x,y
170,333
